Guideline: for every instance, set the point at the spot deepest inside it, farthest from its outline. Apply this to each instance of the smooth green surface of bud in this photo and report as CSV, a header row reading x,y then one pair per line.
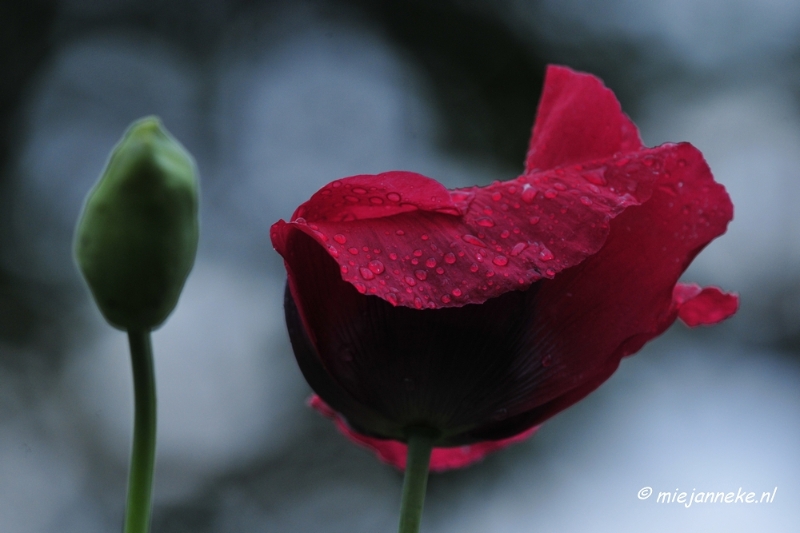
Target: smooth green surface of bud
x,y
136,239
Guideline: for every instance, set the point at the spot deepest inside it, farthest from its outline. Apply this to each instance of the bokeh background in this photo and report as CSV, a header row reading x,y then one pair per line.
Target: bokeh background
x,y
277,98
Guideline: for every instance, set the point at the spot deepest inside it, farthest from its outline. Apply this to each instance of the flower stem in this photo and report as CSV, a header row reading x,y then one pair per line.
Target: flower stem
x,y
140,477
420,446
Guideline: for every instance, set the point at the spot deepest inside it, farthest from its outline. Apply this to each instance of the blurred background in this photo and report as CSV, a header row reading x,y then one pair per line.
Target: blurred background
x,y
277,98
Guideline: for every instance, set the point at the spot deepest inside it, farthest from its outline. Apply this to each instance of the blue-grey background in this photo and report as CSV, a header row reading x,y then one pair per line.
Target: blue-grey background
x,y
277,98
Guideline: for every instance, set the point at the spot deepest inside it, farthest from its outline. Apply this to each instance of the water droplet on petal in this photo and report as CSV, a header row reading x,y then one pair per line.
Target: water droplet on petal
x,y
417,253
533,221
366,273
550,272
500,260
376,200
545,254
473,267
393,196
333,251
341,239
585,200
343,269
418,303
550,193
496,196
456,292
391,298
528,193
360,287
400,232
450,258
439,270
472,239
515,251
411,281
351,199
596,177
421,275
430,262
486,222
445,299
353,251
376,267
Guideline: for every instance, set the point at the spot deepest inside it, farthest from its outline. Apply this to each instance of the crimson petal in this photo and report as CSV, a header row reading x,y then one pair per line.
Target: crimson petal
x,y
394,452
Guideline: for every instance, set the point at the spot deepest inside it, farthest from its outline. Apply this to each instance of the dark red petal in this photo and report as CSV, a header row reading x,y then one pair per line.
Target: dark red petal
x,y
510,235
394,452
607,307
382,195
703,307
578,120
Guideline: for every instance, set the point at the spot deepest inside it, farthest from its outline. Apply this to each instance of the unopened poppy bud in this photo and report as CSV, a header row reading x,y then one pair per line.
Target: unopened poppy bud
x,y
137,236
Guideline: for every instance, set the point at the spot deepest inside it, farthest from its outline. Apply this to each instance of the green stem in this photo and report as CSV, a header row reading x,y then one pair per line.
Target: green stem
x,y
420,446
140,478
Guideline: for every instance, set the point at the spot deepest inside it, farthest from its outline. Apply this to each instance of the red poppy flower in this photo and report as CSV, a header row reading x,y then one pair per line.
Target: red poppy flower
x,y
482,312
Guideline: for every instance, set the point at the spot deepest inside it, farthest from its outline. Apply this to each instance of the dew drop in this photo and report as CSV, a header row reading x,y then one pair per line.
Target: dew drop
x,y
439,270
376,267
505,234
418,303
550,272
400,232
528,193
393,196
472,239
533,221
333,251
430,262
500,260
585,200
360,287
450,258
376,200
424,237
473,267
341,239
496,196
545,254
351,199
490,274
550,193
559,187
517,249
353,251
411,281
417,253
485,222
421,275
366,273
445,299
343,269
391,298
595,177
393,256
456,292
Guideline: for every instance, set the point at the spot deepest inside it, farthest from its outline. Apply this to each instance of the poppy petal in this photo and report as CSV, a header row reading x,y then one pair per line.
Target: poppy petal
x,y
578,120
395,452
698,306
510,234
609,306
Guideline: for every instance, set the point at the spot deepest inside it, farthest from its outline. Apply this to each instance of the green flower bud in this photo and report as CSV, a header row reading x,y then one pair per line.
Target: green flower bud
x,y
137,236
